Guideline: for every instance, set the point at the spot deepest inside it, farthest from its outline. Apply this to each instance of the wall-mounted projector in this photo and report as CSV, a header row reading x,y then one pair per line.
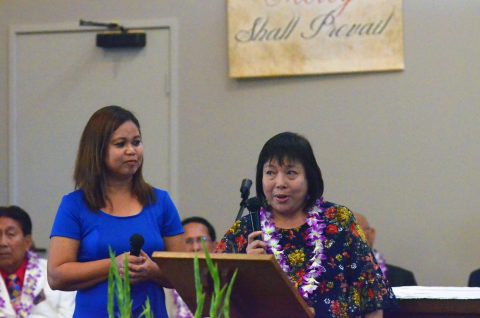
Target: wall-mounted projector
x,y
132,39
117,36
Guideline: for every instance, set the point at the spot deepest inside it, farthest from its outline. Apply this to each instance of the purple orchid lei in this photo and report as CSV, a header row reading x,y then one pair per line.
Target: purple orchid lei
x,y
315,238
32,275
381,262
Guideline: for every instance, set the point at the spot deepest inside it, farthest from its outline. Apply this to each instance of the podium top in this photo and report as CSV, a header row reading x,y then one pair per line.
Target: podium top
x,y
260,290
432,292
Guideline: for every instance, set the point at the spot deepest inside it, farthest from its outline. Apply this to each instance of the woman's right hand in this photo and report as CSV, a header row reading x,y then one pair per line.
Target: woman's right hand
x,y
256,246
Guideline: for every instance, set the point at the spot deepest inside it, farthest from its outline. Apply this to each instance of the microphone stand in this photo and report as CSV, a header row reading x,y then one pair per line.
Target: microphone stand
x,y
243,204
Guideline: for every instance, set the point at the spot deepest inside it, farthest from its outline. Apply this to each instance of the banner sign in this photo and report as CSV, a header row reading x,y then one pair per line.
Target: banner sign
x,y
297,37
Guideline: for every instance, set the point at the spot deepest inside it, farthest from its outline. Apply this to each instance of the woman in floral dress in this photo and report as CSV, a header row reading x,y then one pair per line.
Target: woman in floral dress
x,y
318,244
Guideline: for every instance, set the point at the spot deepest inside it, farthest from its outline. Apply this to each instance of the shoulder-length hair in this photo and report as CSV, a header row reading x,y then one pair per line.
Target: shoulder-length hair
x,y
288,147
90,173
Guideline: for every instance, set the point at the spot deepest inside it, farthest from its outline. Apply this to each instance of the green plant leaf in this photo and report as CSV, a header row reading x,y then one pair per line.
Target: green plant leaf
x,y
121,288
198,288
111,284
216,297
220,298
213,270
127,302
217,303
147,311
226,302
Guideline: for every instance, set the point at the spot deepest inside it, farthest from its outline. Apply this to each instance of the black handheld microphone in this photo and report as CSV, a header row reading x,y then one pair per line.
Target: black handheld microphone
x,y
253,205
136,243
245,192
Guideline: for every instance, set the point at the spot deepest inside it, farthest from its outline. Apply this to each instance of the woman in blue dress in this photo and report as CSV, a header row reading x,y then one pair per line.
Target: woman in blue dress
x,y
110,204
318,244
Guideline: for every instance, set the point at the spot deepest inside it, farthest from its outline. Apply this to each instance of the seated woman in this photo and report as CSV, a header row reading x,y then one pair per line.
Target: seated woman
x,y
317,243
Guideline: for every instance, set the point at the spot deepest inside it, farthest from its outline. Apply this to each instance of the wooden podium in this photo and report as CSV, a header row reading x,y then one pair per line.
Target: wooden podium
x,y
261,289
436,302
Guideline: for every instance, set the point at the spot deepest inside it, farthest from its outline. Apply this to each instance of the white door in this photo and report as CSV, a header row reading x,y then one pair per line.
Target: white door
x,y
58,78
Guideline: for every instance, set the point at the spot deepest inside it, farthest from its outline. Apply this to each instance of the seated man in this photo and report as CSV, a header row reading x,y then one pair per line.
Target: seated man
x,y
474,279
197,229
24,290
396,276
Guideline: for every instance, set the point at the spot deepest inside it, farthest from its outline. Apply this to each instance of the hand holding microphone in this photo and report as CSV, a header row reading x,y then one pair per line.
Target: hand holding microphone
x,y
143,268
136,244
254,205
255,243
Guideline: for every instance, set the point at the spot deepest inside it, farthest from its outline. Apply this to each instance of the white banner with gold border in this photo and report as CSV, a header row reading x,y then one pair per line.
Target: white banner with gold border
x,y
297,37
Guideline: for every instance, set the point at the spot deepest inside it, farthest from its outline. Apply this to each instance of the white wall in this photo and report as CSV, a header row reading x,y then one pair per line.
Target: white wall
x,y
400,147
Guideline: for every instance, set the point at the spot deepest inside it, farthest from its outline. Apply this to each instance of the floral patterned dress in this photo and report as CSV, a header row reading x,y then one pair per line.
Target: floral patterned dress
x,y
352,283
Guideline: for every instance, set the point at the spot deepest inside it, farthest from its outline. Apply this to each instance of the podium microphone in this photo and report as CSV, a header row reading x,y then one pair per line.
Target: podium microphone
x,y
136,243
245,188
245,192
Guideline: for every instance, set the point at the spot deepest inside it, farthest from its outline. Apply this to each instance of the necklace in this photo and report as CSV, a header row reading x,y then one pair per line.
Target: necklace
x,y
315,238
381,262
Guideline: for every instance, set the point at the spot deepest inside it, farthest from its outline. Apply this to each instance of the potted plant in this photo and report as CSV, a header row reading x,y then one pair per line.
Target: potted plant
x,y
219,300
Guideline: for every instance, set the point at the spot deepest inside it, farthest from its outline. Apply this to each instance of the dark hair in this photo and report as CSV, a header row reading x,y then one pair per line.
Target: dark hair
x,y
199,219
289,146
90,168
18,214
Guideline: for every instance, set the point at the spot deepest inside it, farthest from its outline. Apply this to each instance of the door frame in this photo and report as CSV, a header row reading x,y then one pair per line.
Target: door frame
x,y
172,82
